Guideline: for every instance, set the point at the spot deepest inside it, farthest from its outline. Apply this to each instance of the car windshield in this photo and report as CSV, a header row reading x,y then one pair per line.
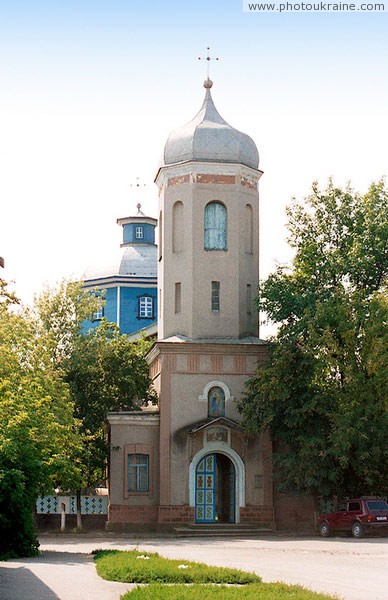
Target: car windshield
x,y
377,505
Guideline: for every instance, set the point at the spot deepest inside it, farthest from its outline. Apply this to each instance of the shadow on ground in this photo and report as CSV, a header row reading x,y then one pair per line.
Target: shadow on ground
x,y
30,585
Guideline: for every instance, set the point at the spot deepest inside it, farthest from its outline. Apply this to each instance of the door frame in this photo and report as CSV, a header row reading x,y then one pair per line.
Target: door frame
x,y
220,448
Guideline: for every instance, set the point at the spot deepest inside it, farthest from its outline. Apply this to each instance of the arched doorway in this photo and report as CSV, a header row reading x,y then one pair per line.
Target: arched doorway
x,y
215,489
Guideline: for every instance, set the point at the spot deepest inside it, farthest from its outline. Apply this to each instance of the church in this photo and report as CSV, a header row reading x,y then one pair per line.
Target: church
x,y
127,282
189,460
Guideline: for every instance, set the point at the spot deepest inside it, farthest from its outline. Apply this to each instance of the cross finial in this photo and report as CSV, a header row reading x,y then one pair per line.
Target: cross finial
x,y
208,58
138,184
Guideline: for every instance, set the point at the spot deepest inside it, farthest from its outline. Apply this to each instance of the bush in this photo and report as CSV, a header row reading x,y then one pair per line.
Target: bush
x,y
263,591
16,522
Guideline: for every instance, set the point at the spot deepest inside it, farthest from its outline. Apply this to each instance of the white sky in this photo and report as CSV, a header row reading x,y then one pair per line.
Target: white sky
x,y
89,92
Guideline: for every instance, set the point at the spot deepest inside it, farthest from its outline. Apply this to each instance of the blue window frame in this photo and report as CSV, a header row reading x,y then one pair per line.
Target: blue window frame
x,y
138,473
215,226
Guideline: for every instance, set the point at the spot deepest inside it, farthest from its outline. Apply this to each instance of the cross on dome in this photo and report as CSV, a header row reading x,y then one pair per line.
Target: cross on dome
x,y
208,58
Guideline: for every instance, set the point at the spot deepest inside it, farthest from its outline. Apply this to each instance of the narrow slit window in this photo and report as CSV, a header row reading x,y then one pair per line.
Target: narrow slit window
x,y
215,296
178,291
249,299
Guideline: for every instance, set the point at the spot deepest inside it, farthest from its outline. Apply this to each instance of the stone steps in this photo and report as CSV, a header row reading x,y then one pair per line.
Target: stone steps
x,y
221,530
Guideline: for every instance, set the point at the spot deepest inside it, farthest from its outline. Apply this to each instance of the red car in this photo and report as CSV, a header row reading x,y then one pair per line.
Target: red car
x,y
358,516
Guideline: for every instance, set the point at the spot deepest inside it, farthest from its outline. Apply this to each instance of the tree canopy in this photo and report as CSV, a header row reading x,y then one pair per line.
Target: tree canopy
x,y
105,372
322,394
103,369
39,442
56,387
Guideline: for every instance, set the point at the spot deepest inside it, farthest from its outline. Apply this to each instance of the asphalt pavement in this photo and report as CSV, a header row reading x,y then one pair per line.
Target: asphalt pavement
x,y
352,569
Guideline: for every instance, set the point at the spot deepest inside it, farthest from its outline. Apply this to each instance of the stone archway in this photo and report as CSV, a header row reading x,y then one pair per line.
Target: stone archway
x,y
235,472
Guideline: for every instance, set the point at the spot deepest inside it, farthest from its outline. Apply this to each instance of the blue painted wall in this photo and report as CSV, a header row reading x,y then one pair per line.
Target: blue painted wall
x,y
110,308
130,322
129,233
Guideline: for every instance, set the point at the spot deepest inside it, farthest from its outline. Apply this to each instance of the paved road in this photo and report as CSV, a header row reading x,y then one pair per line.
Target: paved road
x,y
352,569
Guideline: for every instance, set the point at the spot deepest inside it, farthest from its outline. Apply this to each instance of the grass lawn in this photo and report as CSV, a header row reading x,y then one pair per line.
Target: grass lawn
x,y
148,567
252,591
166,579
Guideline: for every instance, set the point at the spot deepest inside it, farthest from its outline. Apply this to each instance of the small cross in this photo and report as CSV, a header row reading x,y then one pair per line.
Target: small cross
x,y
208,58
138,184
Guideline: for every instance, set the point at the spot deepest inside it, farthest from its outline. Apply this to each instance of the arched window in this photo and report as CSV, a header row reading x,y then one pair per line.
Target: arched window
x,y
178,230
216,402
215,226
248,229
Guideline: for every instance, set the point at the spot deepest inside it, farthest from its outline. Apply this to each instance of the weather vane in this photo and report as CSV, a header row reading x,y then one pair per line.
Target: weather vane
x,y
208,58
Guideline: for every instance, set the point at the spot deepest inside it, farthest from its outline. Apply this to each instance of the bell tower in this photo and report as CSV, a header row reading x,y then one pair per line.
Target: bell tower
x,y
208,266
198,463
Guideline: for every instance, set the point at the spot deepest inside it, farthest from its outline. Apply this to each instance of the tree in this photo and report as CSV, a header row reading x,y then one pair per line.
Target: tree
x,y
103,369
106,372
39,443
322,393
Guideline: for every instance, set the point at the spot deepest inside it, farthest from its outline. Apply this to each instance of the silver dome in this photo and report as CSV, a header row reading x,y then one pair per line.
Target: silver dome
x,y
139,260
208,137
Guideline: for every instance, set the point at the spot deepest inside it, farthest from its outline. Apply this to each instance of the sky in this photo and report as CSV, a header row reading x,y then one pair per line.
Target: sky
x,y
90,90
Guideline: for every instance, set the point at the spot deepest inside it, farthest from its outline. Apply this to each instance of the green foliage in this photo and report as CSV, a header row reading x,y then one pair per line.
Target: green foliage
x,y
149,567
103,369
106,372
323,392
38,436
7,298
265,591
146,567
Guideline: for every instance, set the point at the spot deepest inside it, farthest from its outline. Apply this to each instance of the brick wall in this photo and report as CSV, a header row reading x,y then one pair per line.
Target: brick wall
x,y
175,514
257,515
146,515
295,513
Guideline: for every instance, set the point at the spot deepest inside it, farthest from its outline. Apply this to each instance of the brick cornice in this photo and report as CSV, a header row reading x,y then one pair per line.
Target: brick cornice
x,y
203,347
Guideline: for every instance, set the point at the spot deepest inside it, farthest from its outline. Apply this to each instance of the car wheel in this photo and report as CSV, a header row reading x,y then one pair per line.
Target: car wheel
x,y
357,531
324,529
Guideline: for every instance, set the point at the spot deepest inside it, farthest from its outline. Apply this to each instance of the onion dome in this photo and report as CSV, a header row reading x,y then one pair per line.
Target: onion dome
x,y
208,137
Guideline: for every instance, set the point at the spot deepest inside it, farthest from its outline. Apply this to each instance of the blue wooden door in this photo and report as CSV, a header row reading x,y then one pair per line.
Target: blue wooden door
x,y
205,490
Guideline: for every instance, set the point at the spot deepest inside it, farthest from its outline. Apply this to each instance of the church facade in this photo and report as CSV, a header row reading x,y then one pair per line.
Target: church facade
x,y
128,283
190,460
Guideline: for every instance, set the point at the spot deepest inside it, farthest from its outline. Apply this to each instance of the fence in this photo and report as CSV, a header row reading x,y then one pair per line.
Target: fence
x,y
90,505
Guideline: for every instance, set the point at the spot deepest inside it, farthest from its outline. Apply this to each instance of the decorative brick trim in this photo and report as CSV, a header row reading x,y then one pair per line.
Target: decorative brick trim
x,y
155,368
240,364
249,183
177,180
216,362
223,179
169,362
193,363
